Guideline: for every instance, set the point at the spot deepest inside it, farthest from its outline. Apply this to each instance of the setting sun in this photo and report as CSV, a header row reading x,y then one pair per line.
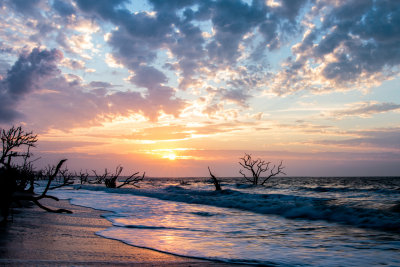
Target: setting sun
x,y
170,156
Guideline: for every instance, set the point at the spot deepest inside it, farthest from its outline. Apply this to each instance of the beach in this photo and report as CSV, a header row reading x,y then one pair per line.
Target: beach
x,y
38,238
296,222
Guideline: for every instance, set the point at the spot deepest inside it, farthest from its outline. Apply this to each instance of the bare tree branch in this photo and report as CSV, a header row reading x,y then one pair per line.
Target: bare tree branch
x,y
215,181
51,178
67,179
112,181
132,180
257,168
83,176
14,138
99,178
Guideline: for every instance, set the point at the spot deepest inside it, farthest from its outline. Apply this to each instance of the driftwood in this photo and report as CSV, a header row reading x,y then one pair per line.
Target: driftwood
x,y
14,178
110,179
51,177
20,195
215,181
83,177
133,180
67,178
99,178
12,139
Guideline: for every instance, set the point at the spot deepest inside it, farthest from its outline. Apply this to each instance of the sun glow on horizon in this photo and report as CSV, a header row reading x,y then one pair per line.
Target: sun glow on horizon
x,y
170,156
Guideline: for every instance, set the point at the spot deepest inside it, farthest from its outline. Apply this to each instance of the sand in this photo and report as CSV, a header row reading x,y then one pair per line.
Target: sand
x,y
39,238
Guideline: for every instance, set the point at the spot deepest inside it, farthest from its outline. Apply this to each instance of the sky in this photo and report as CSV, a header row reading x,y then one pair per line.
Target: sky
x,y
172,87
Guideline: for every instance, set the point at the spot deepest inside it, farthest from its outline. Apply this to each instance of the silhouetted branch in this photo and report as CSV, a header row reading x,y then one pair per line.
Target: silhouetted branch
x,y
15,178
99,178
133,180
215,181
67,179
50,210
14,138
51,177
83,177
112,181
274,172
257,168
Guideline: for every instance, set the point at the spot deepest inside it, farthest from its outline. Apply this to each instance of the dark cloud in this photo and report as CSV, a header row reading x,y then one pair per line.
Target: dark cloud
x,y
148,77
361,38
63,7
8,110
174,27
130,50
290,9
27,8
231,21
25,76
172,5
31,69
103,8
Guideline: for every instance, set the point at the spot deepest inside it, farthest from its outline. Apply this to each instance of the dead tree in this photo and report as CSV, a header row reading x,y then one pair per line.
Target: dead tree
x,y
99,178
257,168
110,179
17,196
67,178
13,139
215,181
133,180
14,178
51,177
111,182
83,177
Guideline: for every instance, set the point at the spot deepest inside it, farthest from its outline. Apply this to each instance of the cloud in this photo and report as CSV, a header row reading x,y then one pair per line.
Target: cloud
x,y
357,45
175,28
8,111
365,109
26,8
236,95
36,82
98,84
135,44
194,45
31,69
183,132
63,8
388,139
73,64
25,76
148,77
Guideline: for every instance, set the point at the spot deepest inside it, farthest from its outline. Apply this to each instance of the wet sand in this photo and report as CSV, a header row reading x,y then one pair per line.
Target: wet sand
x,y
39,238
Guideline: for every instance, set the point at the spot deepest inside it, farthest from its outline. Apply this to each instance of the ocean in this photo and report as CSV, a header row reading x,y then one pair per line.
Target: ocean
x,y
293,221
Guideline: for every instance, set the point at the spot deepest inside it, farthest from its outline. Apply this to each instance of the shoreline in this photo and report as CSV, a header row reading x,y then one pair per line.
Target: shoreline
x,y
36,237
